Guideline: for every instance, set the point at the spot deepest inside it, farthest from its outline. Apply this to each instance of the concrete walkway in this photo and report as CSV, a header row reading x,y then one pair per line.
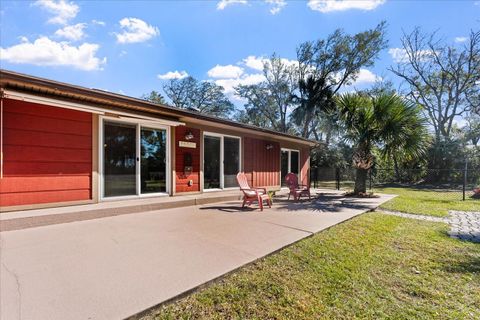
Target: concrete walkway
x,y
464,225
114,267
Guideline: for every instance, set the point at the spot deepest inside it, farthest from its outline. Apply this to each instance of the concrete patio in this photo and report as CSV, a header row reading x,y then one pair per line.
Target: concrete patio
x,y
117,266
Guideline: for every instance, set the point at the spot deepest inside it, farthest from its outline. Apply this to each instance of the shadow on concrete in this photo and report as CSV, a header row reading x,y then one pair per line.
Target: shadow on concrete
x,y
319,203
233,208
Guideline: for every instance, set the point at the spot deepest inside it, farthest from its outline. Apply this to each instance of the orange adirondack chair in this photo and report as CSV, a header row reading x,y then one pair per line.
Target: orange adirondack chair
x,y
296,190
251,195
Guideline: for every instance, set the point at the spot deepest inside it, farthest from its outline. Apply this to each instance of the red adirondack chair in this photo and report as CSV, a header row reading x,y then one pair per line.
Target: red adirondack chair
x,y
296,190
251,195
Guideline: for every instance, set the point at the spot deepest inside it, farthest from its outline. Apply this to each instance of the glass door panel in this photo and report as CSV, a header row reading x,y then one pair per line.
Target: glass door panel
x,y
153,161
294,162
231,161
284,166
211,162
119,159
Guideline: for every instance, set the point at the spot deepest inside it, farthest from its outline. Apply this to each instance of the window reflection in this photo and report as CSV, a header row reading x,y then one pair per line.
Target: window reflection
x,y
153,145
119,159
231,161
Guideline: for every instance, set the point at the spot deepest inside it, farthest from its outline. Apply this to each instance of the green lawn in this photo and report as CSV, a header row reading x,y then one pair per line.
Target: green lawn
x,y
427,202
373,266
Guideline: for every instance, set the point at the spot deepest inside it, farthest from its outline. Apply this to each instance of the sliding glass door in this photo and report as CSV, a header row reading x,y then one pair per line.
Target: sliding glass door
x,y
119,159
153,173
284,165
221,161
135,159
289,163
211,162
231,161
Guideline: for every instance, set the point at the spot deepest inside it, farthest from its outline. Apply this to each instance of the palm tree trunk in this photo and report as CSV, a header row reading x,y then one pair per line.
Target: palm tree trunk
x,y
397,170
361,181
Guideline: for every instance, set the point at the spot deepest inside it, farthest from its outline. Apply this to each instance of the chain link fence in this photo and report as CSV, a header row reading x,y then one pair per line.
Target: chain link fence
x,y
448,184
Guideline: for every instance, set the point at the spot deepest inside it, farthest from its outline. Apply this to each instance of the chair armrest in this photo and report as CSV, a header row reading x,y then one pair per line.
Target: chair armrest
x,y
253,190
262,189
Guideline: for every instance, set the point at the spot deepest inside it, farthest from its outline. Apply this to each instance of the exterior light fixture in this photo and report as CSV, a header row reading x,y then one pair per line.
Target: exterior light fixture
x,y
269,146
189,135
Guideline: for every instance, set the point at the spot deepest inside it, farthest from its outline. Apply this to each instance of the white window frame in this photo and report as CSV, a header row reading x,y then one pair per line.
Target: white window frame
x,y
139,124
289,161
222,175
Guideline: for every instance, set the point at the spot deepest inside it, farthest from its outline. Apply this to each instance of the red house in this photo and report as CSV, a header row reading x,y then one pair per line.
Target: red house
x,y
63,144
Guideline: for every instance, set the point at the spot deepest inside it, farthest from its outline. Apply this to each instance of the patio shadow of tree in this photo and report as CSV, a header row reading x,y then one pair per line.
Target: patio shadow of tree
x,y
318,204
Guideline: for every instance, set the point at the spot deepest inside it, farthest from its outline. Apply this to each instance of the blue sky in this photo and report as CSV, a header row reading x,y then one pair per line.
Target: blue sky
x,y
132,47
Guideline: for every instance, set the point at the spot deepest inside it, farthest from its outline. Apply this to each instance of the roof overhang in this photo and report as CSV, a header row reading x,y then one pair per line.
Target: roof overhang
x,y
98,101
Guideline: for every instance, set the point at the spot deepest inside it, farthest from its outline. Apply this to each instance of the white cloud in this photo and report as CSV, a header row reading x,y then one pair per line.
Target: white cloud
x,y
173,75
225,3
257,63
254,62
73,32
366,76
325,6
228,71
99,22
46,52
135,30
460,39
400,55
63,11
247,79
277,5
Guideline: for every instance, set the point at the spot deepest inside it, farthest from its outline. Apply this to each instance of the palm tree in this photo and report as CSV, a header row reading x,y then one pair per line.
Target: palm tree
x,y
315,99
387,121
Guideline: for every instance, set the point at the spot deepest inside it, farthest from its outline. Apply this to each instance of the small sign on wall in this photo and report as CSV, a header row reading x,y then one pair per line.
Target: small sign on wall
x,y
187,144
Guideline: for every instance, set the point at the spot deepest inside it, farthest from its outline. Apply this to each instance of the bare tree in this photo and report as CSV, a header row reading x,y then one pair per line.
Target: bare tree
x,y
443,79
270,99
202,96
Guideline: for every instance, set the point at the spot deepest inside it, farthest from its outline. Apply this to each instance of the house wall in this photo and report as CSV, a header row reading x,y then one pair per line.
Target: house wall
x,y
181,178
51,156
47,154
261,166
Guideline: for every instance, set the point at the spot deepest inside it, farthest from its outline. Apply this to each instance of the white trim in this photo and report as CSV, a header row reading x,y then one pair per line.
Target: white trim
x,y
212,190
222,165
138,127
152,121
51,102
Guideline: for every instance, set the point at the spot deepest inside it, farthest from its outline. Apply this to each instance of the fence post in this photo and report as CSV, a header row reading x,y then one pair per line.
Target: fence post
x,y
465,171
337,178
315,175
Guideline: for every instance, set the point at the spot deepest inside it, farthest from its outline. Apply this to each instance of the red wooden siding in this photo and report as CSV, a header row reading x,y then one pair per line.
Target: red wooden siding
x,y
261,166
305,166
181,180
47,154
